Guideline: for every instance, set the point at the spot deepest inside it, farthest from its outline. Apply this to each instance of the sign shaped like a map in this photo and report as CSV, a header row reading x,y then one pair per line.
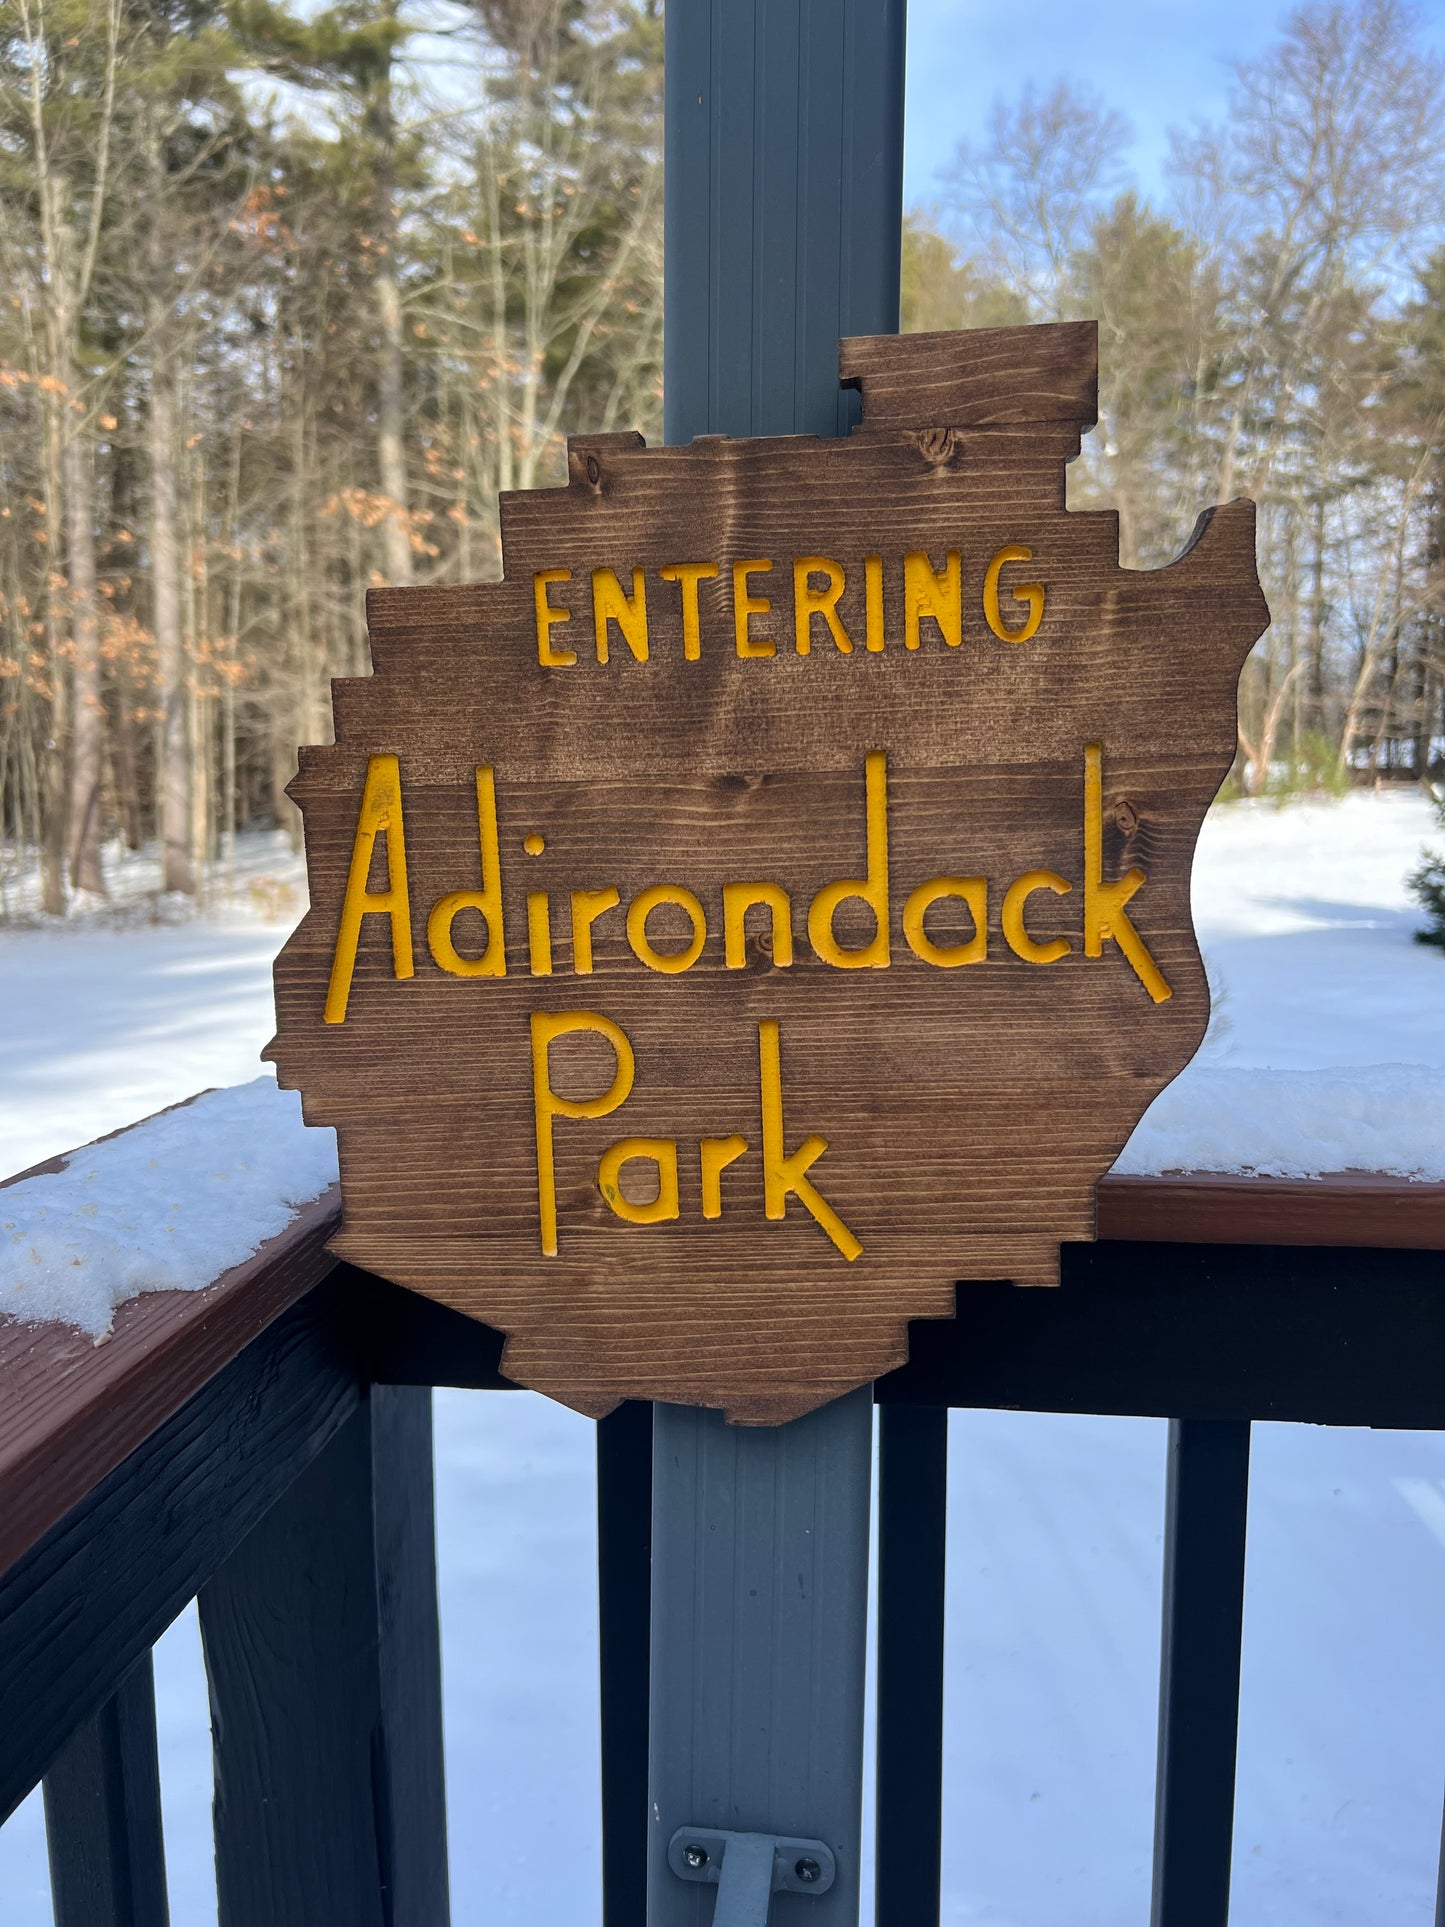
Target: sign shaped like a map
x,y
767,908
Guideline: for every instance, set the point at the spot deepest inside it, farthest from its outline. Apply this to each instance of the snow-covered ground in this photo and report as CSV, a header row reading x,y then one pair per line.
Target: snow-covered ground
x,y
1055,1523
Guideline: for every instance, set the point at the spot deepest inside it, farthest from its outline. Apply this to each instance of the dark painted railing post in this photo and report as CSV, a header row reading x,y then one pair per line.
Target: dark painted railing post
x,y
323,1657
912,1516
103,1815
1207,1505
624,1577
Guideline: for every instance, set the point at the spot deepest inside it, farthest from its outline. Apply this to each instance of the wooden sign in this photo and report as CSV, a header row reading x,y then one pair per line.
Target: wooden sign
x,y
768,906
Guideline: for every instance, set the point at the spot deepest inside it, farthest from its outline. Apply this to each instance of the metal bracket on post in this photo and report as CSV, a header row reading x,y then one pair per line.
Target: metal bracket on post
x,y
748,1869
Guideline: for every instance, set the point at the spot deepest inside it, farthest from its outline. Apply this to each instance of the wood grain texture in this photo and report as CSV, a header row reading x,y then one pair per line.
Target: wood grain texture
x,y
322,1653
1348,1208
968,1111
71,1410
90,1597
1043,374
103,1815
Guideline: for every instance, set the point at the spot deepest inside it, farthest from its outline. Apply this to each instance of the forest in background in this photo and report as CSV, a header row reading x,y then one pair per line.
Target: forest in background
x,y
290,295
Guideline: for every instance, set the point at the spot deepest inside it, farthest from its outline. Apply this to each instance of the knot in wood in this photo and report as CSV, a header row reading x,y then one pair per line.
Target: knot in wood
x,y
937,445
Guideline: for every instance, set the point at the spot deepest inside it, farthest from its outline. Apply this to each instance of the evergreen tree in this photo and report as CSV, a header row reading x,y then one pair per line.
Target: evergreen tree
x,y
1427,886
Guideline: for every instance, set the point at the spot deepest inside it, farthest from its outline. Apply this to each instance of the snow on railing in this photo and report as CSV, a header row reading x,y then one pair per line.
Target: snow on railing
x,y
176,1201
168,1205
1388,1118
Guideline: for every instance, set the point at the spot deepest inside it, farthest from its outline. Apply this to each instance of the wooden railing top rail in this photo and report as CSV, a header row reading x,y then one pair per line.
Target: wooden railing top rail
x,y
1360,1208
71,1409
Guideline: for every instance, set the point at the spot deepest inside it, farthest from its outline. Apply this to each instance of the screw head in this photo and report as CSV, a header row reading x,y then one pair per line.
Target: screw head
x,y
808,1870
695,1856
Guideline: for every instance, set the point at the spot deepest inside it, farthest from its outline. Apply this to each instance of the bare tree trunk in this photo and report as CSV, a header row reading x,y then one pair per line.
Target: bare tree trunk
x,y
172,771
1261,755
124,772
1128,521
1224,477
283,768
390,431
390,413
87,732
57,742
69,262
1383,621
1315,708
197,633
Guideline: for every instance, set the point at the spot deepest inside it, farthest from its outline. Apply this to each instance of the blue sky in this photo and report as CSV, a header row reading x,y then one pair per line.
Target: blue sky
x,y
1162,64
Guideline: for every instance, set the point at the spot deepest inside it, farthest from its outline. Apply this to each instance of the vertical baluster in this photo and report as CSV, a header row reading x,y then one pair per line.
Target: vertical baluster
x,y
912,1513
624,1580
1206,1507
103,1815
323,1658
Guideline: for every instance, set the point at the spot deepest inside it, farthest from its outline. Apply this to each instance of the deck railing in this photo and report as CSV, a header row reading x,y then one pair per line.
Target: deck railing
x,y
264,1447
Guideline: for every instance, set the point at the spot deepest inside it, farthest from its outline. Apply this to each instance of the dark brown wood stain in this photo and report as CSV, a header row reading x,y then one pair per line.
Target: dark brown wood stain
x,y
969,1111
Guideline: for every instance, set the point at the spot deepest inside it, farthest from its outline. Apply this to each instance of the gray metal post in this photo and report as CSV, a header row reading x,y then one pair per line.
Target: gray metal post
x,y
784,171
784,207
759,1618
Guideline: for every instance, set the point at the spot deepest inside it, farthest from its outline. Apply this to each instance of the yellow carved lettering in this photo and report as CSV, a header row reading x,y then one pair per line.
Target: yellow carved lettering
x,y
547,1105
487,901
641,908
548,617
539,933
873,603
872,889
937,593
687,575
1030,593
809,602
1105,917
971,890
715,1155
738,899
785,1174
1019,940
587,907
660,1151
379,815
746,606
629,612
